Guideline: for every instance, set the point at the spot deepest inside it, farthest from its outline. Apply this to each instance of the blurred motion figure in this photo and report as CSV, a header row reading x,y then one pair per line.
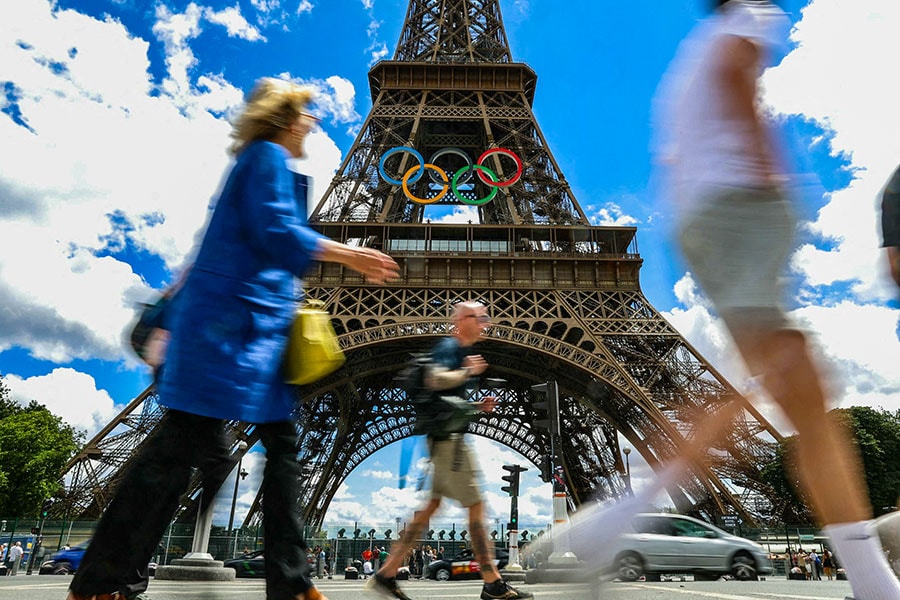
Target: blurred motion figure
x,y
735,229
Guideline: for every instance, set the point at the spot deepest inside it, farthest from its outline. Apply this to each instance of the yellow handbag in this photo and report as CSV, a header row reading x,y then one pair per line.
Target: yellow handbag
x,y
313,350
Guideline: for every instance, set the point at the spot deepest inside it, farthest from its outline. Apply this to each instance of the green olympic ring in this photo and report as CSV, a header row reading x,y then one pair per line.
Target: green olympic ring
x,y
440,177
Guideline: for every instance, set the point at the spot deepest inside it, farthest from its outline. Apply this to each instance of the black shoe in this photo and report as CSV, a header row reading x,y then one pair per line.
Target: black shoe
x,y
501,590
386,586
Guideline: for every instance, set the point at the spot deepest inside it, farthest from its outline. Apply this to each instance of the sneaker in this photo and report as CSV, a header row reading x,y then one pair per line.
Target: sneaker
x,y
501,589
386,586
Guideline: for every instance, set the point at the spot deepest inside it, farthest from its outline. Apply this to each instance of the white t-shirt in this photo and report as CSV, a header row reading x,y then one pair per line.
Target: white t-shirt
x,y
693,142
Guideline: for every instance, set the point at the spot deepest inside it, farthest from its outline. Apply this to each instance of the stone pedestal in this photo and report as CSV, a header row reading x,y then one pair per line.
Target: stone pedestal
x,y
195,567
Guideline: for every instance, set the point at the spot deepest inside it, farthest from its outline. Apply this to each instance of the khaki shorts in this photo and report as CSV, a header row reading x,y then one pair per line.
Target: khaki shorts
x,y
455,474
737,244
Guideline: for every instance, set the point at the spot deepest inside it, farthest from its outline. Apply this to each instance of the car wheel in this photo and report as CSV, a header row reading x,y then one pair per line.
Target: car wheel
x,y
743,567
442,575
63,568
629,567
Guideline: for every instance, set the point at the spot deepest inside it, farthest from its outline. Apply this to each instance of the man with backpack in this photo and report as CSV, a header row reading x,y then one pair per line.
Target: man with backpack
x,y
455,471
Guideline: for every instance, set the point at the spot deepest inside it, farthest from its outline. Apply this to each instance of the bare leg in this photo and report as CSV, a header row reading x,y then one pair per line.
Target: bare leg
x,y
408,540
483,551
838,496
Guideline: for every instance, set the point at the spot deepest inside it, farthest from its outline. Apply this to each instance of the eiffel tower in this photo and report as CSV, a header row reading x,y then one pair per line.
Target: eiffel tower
x,y
564,296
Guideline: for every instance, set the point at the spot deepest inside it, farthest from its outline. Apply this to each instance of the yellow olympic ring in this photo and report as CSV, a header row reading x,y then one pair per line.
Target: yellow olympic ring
x,y
434,168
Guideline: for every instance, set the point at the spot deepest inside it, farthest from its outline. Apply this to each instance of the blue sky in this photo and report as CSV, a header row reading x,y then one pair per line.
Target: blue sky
x,y
114,129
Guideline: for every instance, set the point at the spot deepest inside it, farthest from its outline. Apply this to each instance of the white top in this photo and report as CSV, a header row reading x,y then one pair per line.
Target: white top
x,y
696,145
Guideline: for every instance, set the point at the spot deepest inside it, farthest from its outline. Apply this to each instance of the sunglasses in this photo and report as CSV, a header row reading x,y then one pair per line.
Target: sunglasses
x,y
481,318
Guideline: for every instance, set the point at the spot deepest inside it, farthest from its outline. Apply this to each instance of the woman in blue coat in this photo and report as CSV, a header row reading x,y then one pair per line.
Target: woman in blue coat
x,y
229,325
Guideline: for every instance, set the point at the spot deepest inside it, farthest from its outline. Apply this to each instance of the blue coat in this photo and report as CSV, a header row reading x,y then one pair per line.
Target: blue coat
x,y
231,318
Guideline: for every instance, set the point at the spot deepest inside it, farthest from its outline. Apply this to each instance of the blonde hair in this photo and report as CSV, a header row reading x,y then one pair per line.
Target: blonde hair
x,y
273,105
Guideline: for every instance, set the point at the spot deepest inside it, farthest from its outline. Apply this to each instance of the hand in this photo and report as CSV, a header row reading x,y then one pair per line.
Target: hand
x,y
376,266
475,364
488,403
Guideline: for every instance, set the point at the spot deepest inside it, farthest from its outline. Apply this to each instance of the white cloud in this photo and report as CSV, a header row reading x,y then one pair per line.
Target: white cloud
x,y
305,6
234,22
379,474
71,395
611,215
103,161
840,83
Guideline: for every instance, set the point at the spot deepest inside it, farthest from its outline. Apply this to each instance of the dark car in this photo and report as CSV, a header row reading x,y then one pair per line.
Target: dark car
x,y
664,543
462,566
251,564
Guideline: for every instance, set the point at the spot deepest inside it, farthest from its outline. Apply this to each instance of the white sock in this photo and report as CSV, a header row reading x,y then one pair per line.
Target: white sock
x,y
859,552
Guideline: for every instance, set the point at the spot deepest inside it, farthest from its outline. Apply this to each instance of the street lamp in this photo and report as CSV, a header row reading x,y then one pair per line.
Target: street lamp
x,y
238,477
626,450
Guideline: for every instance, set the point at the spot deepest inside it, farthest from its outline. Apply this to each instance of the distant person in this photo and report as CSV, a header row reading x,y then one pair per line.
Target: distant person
x,y
736,229
229,325
15,558
455,470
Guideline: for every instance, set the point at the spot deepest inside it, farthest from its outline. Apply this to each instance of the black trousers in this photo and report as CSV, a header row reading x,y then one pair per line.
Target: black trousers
x,y
134,522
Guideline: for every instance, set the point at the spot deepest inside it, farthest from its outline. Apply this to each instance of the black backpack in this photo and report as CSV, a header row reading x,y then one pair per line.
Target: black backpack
x,y
437,415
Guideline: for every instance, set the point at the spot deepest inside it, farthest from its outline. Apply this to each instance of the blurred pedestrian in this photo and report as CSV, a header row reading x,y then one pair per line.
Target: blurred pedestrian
x,y
736,230
890,224
229,326
455,471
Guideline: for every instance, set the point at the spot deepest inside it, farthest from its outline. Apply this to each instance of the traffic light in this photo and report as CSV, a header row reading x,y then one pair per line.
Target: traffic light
x,y
546,466
513,478
546,405
45,508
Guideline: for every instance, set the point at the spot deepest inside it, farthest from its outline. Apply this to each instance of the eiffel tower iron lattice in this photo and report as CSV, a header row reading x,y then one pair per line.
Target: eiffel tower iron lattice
x,y
564,296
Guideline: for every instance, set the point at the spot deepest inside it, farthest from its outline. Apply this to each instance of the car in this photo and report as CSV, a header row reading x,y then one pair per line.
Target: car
x,y
665,543
64,562
250,564
461,566
67,561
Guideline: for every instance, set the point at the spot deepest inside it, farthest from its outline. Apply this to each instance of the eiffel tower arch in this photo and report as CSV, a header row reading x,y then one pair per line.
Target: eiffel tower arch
x,y
564,296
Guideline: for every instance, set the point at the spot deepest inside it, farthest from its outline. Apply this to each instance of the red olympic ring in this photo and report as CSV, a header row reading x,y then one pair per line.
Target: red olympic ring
x,y
509,153
486,175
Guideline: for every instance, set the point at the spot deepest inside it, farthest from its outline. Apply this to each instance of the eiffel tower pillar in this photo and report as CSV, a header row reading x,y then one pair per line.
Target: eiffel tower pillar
x,y
451,175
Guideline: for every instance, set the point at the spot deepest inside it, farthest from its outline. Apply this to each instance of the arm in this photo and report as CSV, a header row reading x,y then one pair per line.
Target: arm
x,y
736,74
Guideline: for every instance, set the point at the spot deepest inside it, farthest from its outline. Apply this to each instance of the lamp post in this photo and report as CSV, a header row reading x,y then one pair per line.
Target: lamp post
x,y
240,474
626,450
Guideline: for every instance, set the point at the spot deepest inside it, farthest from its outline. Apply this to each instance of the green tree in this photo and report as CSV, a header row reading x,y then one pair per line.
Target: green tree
x,y
35,445
877,437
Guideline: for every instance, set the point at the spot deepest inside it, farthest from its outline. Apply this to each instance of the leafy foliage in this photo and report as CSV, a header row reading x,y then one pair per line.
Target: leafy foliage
x,y
35,445
877,437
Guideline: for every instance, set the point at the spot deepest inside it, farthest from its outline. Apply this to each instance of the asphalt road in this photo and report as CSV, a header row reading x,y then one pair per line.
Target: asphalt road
x,y
53,587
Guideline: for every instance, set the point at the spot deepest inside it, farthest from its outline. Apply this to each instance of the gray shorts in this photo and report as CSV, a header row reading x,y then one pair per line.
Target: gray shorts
x,y
736,244
455,474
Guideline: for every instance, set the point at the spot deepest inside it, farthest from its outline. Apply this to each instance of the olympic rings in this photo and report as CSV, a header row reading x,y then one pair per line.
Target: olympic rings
x,y
439,176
